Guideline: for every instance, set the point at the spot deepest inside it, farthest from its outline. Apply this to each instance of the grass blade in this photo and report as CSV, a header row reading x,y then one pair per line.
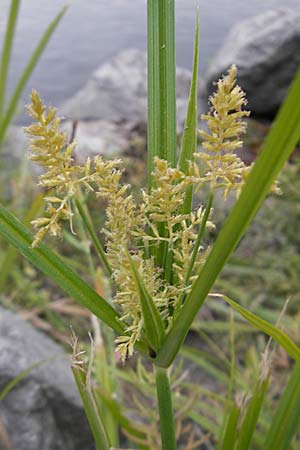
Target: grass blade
x,y
133,431
51,265
189,138
286,419
153,322
91,410
20,377
6,50
281,141
201,359
12,253
251,417
27,73
230,435
278,335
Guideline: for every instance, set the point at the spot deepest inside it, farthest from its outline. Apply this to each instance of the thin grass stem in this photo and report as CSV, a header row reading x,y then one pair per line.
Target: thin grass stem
x,y
199,237
165,407
93,236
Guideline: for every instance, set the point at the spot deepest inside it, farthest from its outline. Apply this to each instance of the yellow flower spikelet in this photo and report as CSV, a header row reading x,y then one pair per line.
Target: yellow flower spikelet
x,y
223,168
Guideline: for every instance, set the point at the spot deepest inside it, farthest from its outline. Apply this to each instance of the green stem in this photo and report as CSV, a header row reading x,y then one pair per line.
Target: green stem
x,y
87,247
154,111
162,138
164,398
93,236
199,237
167,69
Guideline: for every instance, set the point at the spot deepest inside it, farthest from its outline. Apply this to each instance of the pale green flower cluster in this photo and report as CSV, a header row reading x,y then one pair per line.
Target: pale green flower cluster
x,y
160,238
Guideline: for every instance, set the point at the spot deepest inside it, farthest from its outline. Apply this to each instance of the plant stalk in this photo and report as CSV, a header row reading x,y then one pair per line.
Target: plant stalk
x,y
162,138
89,226
164,398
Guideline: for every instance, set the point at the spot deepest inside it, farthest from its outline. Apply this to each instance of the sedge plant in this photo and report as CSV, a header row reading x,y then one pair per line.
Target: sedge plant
x,y
161,272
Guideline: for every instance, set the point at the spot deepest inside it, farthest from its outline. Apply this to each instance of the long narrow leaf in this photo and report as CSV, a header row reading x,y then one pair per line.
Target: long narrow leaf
x,y
189,138
91,410
281,141
250,419
51,265
12,253
230,435
286,419
278,335
134,431
27,73
6,50
201,359
20,377
153,322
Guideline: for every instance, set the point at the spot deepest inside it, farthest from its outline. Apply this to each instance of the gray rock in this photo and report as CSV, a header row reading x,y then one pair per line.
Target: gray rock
x,y
117,91
99,137
15,145
43,411
266,50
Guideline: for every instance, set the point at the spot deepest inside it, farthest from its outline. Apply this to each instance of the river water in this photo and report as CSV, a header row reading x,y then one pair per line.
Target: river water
x,y
92,31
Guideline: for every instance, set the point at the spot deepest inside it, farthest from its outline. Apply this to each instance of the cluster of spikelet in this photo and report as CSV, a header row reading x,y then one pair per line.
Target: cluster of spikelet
x,y
155,220
222,167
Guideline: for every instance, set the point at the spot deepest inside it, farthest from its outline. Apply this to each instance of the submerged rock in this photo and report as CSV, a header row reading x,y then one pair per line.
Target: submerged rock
x,y
43,411
266,50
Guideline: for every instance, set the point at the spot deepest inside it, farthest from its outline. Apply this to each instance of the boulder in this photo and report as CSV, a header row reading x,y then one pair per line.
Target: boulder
x,y
99,137
266,50
117,91
43,411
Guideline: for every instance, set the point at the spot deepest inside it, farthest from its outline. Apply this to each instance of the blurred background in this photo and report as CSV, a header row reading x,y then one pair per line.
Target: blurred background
x,y
93,32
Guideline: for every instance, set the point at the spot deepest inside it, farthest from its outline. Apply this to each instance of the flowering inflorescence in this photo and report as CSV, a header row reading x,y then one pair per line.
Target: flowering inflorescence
x,y
161,239
223,168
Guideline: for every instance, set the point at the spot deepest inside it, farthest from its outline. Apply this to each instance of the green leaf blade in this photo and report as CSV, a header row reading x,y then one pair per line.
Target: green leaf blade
x,y
91,410
55,268
249,423
286,419
230,435
278,335
153,322
189,137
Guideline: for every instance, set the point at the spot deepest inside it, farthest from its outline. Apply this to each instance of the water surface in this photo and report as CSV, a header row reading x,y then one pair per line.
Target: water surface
x,y
93,31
